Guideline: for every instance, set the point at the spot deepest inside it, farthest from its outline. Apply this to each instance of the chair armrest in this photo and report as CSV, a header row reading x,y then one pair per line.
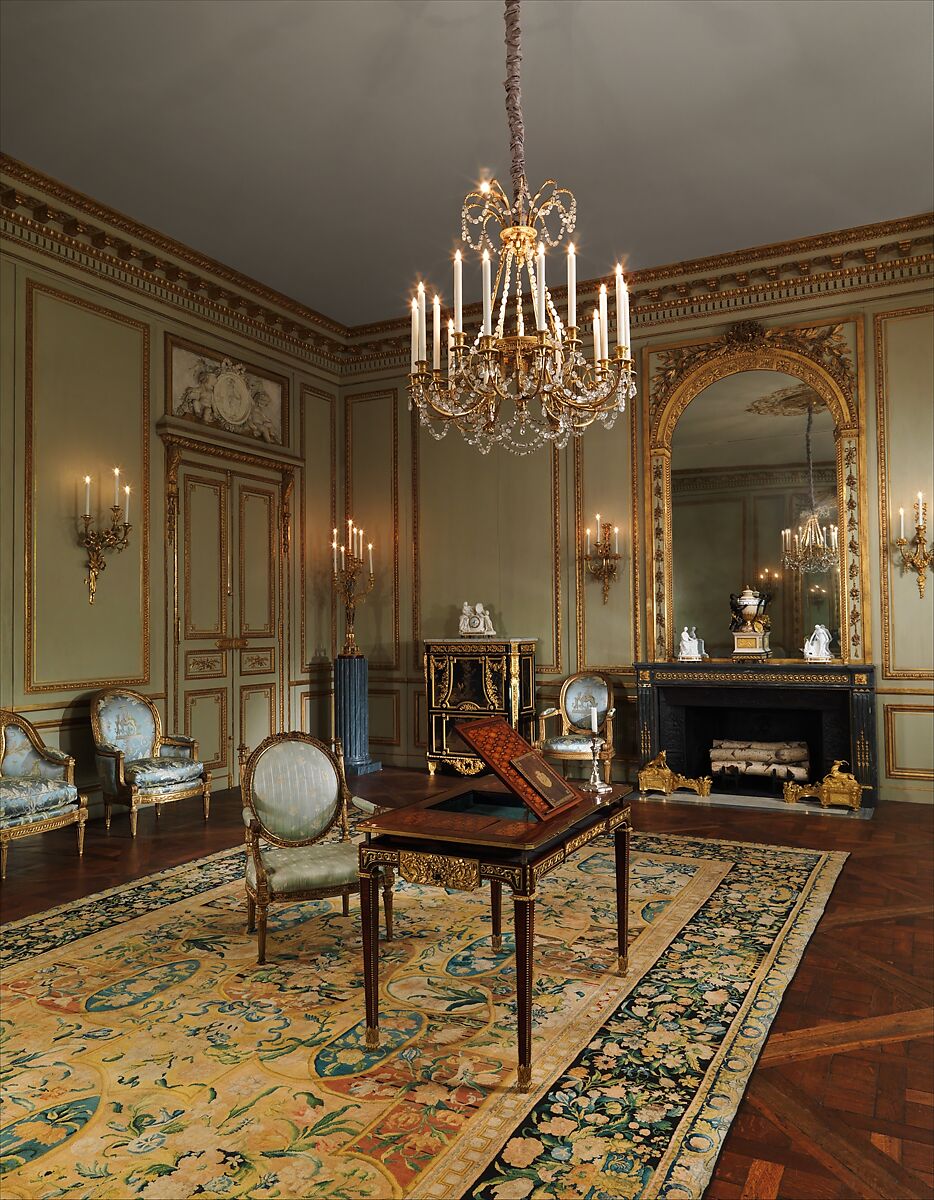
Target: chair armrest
x,y
178,742
365,806
543,718
608,727
110,763
60,759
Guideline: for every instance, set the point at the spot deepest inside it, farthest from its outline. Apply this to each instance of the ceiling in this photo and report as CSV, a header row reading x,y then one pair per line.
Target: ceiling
x,y
324,147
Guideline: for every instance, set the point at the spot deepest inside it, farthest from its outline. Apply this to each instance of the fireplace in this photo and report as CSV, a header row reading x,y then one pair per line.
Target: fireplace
x,y
685,707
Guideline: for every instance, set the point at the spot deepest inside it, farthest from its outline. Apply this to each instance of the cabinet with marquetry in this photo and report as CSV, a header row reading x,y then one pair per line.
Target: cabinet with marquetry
x,y
466,679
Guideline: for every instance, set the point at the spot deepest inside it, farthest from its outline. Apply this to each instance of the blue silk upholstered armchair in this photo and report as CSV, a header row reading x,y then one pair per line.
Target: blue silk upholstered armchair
x,y
294,794
573,744
137,764
37,786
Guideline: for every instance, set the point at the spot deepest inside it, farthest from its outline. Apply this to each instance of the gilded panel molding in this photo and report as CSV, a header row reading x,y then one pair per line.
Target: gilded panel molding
x,y
219,488
889,669
30,684
247,569
356,398
254,689
396,739
687,369
220,695
205,664
892,768
331,400
258,662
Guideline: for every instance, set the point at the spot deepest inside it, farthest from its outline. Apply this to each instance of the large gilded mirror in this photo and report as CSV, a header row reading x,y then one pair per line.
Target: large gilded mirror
x,y
752,456
748,435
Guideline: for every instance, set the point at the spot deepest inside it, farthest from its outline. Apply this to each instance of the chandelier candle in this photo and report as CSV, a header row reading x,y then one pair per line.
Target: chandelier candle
x,y
504,386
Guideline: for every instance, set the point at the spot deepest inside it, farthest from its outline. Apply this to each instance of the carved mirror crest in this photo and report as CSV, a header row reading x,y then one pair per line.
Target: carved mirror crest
x,y
776,431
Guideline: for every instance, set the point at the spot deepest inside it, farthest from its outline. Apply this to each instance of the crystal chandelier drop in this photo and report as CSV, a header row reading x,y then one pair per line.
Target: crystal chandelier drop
x,y
514,386
813,547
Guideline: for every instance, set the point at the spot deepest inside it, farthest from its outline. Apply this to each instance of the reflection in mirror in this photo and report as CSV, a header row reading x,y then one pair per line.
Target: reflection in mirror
x,y
740,476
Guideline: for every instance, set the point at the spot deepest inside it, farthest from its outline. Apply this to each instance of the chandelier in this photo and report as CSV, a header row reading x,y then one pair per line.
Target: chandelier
x,y
813,547
514,386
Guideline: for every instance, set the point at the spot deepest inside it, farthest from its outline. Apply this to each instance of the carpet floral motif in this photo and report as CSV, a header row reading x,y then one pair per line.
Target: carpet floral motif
x,y
146,1054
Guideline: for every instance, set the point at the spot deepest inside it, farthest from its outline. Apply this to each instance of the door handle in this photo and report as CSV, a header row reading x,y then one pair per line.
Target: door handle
x,y
231,643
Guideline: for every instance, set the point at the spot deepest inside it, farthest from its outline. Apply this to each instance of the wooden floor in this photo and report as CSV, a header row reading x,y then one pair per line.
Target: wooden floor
x,y
841,1103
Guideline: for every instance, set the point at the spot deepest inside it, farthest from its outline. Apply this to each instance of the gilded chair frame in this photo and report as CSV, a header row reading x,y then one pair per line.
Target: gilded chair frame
x,y
77,817
605,729
259,898
129,794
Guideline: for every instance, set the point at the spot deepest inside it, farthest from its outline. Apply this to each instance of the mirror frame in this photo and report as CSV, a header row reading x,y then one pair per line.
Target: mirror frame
x,y
819,355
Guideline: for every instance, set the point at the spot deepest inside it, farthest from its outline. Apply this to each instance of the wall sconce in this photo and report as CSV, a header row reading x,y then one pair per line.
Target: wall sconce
x,y
920,557
770,578
99,542
345,580
602,562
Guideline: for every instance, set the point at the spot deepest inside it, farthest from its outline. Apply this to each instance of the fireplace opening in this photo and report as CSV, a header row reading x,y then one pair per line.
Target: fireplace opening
x,y
693,719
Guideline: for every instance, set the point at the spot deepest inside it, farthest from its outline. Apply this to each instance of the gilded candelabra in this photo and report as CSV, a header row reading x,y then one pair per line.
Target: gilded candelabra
x,y
99,542
349,582
602,561
919,558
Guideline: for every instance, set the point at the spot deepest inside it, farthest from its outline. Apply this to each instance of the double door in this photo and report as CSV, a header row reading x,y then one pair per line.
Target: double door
x,y
228,587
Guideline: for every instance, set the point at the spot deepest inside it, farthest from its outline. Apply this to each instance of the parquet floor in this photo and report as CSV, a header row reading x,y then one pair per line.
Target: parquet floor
x,y
841,1103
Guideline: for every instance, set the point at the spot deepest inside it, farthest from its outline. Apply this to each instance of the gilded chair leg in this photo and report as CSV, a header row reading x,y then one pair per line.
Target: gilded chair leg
x,y
4,850
345,905
158,811
81,839
206,801
108,813
250,914
389,880
608,770
133,816
261,934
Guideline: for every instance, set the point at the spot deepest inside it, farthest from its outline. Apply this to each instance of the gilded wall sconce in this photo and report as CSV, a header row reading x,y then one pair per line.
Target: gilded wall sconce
x,y
346,573
99,542
918,559
603,558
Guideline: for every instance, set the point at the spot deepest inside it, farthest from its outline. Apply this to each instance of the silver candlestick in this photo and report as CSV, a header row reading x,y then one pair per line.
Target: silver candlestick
x,y
595,783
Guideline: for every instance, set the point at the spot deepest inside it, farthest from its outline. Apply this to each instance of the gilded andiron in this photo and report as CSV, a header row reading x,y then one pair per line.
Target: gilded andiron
x,y
838,787
99,542
345,580
658,776
601,563
920,557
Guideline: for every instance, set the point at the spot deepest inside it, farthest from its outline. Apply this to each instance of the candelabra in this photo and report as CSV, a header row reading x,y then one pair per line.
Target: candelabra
x,y
919,558
348,583
601,563
98,542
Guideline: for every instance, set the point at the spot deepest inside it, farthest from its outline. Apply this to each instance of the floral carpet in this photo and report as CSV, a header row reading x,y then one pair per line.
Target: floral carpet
x,y
144,1052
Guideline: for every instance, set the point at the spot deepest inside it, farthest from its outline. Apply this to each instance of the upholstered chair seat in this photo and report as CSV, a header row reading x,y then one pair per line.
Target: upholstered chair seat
x,y
579,695
37,786
294,796
139,765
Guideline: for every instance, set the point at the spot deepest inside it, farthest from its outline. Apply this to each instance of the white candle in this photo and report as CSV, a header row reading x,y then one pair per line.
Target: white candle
x,y
616,540
117,486
414,333
593,717
901,523
360,544
334,548
487,298
588,543
126,507
599,530
458,293
370,548
342,558
87,495
572,287
604,350
450,341
422,326
833,531
596,338
624,316
436,333
540,298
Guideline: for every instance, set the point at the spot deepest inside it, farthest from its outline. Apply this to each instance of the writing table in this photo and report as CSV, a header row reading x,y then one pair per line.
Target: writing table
x,y
479,831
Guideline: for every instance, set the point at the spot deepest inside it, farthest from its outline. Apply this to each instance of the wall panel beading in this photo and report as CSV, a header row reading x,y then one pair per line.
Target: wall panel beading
x,y
318,498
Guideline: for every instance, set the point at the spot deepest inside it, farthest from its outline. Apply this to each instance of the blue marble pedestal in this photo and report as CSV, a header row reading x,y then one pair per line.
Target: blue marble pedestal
x,y
352,714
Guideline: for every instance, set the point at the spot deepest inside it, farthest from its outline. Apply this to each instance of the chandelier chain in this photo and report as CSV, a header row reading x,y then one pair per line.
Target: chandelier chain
x,y
513,86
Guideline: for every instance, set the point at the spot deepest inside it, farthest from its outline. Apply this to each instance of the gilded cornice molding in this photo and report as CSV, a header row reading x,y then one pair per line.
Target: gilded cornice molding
x,y
106,243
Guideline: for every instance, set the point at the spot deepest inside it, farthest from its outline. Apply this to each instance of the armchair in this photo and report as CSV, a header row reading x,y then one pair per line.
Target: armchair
x,y
37,786
294,794
578,694
138,765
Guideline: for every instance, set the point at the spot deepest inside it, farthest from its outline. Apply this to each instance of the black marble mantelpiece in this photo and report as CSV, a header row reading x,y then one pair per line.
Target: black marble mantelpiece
x,y
831,706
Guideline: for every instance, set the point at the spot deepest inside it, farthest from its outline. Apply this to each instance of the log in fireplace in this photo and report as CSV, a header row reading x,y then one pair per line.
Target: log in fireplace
x,y
685,707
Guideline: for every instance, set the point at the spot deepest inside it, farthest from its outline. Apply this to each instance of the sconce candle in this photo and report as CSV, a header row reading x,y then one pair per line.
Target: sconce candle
x,y
116,487
126,506
87,494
